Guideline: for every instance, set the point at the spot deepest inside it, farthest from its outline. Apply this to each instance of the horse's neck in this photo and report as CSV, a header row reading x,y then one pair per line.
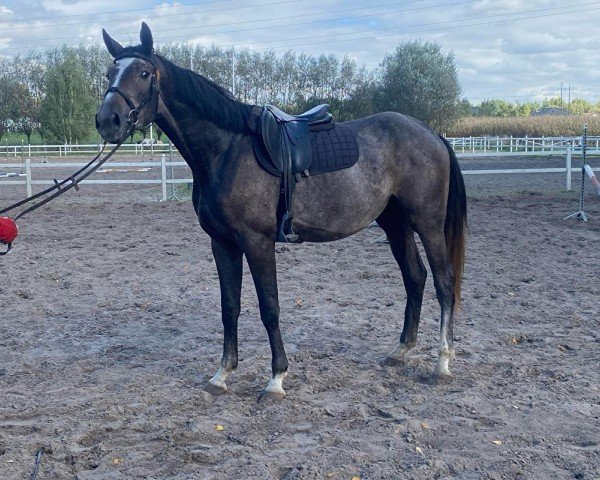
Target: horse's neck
x,y
200,141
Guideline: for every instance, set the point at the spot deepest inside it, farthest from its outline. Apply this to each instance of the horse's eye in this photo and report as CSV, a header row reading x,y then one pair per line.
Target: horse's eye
x,y
145,74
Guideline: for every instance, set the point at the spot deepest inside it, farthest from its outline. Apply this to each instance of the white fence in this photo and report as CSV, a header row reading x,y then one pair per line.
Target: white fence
x,y
13,151
165,167
493,146
464,147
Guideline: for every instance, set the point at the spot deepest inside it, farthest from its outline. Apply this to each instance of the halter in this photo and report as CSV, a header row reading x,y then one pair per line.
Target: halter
x,y
133,117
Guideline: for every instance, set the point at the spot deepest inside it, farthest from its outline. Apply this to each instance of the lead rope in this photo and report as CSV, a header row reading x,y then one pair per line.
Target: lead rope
x,y
65,185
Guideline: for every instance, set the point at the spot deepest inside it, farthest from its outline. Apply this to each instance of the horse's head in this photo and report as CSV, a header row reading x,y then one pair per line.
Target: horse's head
x,y
131,100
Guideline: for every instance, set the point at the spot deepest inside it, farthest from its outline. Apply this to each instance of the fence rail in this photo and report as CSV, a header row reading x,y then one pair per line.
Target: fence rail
x,y
492,146
26,166
66,150
464,146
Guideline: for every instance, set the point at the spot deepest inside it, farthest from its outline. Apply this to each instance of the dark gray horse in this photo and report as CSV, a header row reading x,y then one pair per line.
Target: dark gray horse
x,y
407,178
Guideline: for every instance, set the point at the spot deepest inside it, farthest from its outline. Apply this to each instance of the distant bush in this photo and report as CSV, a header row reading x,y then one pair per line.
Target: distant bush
x,y
543,126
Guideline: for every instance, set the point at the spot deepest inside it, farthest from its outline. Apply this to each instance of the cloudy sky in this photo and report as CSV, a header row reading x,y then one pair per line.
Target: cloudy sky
x,y
513,49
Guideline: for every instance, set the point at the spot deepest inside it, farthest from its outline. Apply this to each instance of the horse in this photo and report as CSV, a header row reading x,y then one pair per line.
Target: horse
x,y
407,179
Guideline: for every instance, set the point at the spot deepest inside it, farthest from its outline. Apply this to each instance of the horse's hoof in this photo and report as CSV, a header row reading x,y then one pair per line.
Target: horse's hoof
x,y
393,361
267,395
399,355
442,378
215,390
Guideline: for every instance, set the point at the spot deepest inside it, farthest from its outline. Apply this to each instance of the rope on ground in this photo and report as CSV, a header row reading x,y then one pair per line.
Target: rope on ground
x,y
36,468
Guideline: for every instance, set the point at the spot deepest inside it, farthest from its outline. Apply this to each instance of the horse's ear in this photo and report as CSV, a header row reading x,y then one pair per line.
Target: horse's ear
x,y
113,47
146,38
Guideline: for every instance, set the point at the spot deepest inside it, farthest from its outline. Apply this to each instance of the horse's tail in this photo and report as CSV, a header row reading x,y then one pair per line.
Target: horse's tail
x,y
455,228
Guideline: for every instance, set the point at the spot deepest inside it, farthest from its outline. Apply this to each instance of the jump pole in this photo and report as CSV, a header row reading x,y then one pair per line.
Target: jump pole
x,y
580,214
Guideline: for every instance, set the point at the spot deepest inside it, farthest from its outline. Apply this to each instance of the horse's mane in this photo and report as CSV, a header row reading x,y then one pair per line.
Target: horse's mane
x,y
209,100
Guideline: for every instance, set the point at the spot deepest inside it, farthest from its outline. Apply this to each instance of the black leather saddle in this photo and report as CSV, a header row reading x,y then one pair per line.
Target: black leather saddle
x,y
286,139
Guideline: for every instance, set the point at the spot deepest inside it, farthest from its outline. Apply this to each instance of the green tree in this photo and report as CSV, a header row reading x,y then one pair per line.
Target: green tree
x,y
554,102
420,80
579,106
67,111
27,110
464,108
8,105
497,108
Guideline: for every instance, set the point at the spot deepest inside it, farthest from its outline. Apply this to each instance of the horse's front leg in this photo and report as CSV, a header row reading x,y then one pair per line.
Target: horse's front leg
x,y
261,259
229,267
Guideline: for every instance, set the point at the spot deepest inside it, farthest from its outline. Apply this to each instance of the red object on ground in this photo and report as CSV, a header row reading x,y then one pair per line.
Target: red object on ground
x,y
8,230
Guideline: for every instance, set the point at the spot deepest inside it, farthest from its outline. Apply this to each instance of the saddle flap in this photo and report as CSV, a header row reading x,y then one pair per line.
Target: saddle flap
x,y
288,143
271,136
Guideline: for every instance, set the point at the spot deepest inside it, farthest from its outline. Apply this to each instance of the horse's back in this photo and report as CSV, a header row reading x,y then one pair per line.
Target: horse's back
x,y
399,156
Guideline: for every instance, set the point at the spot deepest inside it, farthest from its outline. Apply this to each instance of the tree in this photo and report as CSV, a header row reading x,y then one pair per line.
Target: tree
x,y
497,108
8,105
420,80
27,116
579,106
67,112
464,108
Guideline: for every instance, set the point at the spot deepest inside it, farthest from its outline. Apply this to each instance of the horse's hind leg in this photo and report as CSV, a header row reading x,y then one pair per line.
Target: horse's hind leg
x,y
229,266
443,277
404,248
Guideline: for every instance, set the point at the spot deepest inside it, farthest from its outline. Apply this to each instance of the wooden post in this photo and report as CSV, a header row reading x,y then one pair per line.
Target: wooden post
x,y
568,167
28,176
163,176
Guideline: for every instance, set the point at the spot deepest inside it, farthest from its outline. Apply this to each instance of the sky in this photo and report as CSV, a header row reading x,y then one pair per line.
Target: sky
x,y
517,50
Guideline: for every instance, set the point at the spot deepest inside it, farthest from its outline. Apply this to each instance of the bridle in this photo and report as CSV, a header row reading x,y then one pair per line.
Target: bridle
x,y
133,117
73,181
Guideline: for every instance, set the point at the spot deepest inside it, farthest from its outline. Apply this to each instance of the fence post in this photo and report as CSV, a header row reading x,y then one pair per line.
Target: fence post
x,y
28,176
568,167
163,176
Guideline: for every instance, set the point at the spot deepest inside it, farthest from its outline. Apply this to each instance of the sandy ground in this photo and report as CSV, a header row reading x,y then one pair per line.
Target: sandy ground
x,y
110,325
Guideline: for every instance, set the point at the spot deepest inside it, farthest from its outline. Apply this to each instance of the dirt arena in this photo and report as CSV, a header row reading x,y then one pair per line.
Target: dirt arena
x,y
110,325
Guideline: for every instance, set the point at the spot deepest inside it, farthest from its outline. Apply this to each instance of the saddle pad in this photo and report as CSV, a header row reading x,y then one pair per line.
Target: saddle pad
x,y
332,148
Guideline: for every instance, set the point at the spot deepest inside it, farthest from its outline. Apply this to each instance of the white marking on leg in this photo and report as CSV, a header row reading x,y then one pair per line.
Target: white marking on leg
x,y
276,384
219,379
443,365
444,357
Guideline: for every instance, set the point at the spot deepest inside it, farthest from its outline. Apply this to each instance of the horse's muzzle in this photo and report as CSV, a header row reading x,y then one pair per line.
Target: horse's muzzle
x,y
110,124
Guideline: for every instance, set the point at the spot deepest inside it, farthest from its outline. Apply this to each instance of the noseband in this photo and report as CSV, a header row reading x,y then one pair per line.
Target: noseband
x,y
133,117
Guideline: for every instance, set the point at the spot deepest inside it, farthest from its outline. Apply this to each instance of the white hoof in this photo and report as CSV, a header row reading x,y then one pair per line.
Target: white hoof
x,y
216,385
275,387
443,365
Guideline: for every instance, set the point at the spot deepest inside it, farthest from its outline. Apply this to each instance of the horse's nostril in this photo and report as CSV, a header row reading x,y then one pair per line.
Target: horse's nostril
x,y
97,122
117,119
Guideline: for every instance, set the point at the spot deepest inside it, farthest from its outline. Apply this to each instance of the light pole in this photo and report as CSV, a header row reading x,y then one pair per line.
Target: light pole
x,y
561,94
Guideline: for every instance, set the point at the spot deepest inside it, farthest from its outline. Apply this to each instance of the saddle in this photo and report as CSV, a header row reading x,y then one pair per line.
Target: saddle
x,y
286,139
